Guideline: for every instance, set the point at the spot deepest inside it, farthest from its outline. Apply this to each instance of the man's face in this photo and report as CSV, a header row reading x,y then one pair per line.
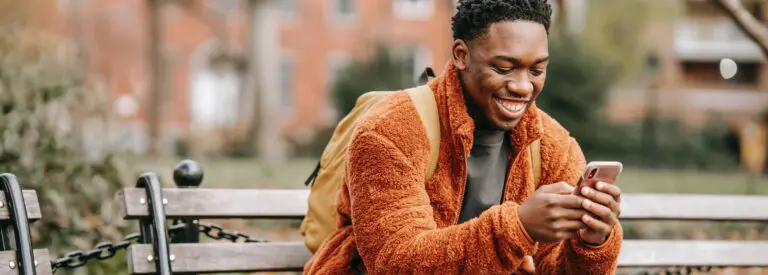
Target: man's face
x,y
503,71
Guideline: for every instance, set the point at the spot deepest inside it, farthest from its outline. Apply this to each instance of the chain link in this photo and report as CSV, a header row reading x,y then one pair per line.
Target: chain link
x,y
218,233
101,251
107,250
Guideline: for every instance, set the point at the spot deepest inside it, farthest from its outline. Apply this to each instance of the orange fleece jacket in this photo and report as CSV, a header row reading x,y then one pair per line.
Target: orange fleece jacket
x,y
398,224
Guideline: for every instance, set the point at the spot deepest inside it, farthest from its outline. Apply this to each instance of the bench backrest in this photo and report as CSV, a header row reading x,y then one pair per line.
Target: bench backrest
x,y
292,204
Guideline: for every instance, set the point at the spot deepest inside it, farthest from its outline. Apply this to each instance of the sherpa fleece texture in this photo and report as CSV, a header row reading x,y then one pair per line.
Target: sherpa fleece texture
x,y
399,224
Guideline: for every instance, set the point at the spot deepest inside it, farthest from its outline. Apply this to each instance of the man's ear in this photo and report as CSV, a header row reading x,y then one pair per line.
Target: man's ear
x,y
460,54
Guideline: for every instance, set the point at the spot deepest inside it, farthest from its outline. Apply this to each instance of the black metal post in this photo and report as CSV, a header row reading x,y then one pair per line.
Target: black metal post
x,y
187,174
151,184
18,212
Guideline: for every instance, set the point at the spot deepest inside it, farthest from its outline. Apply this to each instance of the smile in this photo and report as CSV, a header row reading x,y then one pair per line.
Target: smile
x,y
511,108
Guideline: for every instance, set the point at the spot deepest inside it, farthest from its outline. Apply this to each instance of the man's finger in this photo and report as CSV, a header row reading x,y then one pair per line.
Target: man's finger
x,y
557,188
595,224
600,211
569,225
571,213
610,189
568,201
601,198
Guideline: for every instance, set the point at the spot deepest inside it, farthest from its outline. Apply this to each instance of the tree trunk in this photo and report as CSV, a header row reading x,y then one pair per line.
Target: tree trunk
x,y
562,15
755,29
156,75
251,86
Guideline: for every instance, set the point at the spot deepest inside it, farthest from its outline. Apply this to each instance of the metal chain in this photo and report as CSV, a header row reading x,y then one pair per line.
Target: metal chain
x,y
218,233
102,251
107,250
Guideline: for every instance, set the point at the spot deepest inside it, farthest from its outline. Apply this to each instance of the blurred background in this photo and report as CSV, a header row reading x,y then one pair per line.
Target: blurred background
x,y
94,92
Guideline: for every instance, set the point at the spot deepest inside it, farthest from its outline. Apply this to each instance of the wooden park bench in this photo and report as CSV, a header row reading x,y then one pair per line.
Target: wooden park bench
x,y
158,252
198,203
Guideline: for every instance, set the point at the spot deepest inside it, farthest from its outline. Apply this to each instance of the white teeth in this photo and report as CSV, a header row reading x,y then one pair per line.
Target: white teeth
x,y
511,107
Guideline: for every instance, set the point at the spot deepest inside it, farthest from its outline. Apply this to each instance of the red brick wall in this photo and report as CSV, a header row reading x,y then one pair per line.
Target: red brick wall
x,y
313,35
114,32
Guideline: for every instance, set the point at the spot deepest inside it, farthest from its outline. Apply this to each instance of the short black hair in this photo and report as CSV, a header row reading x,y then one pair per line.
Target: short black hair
x,y
473,17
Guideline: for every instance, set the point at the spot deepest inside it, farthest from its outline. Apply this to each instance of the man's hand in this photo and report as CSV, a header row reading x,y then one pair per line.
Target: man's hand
x,y
553,213
604,208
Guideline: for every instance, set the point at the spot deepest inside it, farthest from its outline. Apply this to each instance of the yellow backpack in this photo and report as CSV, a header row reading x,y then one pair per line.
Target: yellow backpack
x,y
325,181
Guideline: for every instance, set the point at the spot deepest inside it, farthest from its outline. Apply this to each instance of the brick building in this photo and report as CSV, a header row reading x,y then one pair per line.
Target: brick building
x,y
302,44
689,82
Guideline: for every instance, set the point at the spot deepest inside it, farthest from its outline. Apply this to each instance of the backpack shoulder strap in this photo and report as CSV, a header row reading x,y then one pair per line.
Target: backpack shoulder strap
x,y
535,152
424,101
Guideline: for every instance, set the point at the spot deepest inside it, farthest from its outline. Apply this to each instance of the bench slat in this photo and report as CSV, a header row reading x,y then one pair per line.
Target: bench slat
x,y
694,207
262,257
224,257
42,257
220,203
31,202
266,203
658,253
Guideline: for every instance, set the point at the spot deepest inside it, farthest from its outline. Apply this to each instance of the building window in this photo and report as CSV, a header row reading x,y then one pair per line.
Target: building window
x,y
413,9
343,10
287,8
287,71
707,75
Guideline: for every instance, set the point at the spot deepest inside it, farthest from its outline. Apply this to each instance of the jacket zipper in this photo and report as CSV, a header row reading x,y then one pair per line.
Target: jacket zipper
x,y
463,188
463,174
509,171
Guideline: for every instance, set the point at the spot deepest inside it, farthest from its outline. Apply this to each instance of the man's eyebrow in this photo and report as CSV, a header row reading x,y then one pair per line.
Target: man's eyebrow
x,y
514,60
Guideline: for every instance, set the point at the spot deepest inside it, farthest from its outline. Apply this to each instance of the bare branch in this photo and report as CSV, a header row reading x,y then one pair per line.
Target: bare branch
x,y
755,29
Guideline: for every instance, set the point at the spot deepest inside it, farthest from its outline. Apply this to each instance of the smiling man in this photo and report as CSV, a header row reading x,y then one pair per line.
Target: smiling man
x,y
481,212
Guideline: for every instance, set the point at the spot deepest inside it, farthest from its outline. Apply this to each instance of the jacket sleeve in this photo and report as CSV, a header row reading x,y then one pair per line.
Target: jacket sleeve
x,y
573,256
393,223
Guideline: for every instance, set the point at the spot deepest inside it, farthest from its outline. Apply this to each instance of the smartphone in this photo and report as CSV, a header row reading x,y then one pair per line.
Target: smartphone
x,y
605,171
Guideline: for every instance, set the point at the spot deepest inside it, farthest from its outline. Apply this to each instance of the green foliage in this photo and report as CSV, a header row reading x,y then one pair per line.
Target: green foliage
x,y
624,31
41,105
382,72
705,148
578,82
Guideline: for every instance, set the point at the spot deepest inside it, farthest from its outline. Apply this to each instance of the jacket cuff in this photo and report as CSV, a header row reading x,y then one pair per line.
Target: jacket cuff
x,y
608,251
518,242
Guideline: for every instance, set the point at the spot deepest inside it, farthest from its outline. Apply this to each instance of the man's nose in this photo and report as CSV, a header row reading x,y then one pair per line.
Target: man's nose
x,y
520,86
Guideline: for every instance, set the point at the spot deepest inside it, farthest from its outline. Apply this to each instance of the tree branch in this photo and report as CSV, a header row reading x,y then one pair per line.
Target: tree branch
x,y
746,22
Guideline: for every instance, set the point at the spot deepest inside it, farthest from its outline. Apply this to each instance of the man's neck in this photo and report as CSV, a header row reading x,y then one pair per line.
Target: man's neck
x,y
481,122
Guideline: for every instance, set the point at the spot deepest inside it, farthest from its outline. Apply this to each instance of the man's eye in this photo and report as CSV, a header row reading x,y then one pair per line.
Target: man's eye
x,y
502,69
537,72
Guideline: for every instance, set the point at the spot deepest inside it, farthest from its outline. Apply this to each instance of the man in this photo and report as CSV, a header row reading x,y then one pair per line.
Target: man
x,y
480,213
